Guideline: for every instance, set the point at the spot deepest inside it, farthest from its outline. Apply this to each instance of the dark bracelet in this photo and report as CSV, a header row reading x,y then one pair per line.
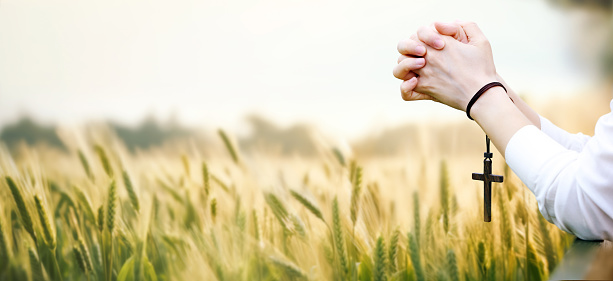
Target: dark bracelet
x,y
479,93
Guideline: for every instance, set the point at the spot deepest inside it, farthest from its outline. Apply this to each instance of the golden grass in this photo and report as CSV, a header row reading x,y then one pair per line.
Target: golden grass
x,y
223,215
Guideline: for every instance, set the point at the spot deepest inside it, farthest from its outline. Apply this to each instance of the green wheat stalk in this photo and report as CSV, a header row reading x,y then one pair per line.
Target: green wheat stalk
x,y
101,218
380,262
85,165
86,256
308,204
339,240
452,266
24,214
131,192
548,245
416,217
213,208
111,207
106,164
444,189
48,232
415,257
229,146
393,252
4,250
35,266
355,195
80,260
206,178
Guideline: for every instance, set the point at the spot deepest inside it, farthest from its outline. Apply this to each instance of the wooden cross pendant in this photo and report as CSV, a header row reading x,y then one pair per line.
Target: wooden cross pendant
x,y
487,179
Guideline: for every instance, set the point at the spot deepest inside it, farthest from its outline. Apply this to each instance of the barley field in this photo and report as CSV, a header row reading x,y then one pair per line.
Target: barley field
x,y
99,211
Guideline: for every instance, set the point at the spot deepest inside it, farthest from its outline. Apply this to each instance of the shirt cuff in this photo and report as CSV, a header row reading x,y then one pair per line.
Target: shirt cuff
x,y
529,153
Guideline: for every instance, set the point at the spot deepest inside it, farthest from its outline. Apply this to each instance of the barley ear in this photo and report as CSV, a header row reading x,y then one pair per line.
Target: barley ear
x,y
85,165
355,194
106,164
415,257
21,207
4,250
393,252
214,209
80,260
101,218
452,266
35,266
86,256
44,219
131,192
380,262
111,207
229,146
339,239
206,179
308,204
444,186
416,217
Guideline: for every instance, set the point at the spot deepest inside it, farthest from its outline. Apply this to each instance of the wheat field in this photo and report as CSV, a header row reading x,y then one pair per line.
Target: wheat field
x,y
101,212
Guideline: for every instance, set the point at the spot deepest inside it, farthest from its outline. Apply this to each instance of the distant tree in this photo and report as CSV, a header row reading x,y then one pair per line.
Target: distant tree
x,y
30,132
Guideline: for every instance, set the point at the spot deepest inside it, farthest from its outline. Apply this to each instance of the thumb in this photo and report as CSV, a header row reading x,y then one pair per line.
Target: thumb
x,y
454,30
473,32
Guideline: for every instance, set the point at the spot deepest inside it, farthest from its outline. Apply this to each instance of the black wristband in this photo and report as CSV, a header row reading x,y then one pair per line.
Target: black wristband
x,y
479,93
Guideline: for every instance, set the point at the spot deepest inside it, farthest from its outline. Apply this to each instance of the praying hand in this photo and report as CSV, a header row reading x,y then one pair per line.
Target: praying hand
x,y
571,175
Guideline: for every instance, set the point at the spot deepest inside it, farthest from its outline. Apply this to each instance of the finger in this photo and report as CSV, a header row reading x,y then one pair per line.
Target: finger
x,y
430,37
411,47
407,65
454,30
408,93
403,57
473,32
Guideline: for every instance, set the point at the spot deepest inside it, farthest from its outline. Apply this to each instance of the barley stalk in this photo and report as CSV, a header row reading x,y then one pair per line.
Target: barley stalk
x,y
106,164
111,206
80,260
339,239
24,214
393,251
452,266
415,257
85,165
101,218
35,266
308,204
47,230
205,178
380,262
355,195
444,186
228,145
89,265
416,217
4,250
213,208
131,192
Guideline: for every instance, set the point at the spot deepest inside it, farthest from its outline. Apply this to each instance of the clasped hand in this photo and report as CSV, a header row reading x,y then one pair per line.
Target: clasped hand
x,y
445,62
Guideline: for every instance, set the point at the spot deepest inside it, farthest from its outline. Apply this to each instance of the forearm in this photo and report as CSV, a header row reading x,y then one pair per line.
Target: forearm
x,y
499,117
525,109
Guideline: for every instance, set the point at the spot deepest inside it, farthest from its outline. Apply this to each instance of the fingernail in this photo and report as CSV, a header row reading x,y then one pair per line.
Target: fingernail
x,y
420,50
438,43
420,61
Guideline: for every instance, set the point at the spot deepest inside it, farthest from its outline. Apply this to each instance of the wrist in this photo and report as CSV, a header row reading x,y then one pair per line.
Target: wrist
x,y
493,100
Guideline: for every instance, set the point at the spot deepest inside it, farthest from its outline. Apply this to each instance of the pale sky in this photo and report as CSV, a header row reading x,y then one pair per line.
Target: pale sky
x,y
210,63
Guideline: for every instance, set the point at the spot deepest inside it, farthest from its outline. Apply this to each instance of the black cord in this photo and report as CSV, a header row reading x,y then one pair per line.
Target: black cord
x,y
479,93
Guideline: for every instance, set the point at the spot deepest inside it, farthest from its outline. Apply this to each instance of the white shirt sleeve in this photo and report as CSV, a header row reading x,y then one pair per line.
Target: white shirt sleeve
x,y
573,187
574,142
